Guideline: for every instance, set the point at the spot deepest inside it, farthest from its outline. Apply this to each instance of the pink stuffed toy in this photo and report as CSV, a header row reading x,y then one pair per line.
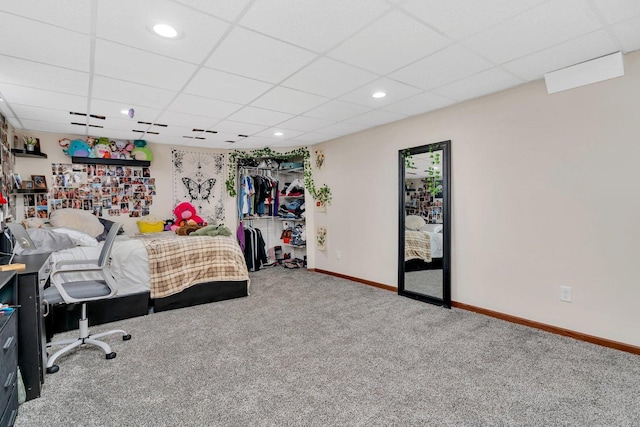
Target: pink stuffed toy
x,y
186,212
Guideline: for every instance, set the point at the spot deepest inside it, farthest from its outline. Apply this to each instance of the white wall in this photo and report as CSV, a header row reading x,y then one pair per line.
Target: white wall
x,y
546,192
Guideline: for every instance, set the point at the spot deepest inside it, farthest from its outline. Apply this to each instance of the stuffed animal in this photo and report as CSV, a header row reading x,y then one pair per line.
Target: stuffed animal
x,y
184,212
188,228
168,223
141,151
212,230
77,148
121,149
102,151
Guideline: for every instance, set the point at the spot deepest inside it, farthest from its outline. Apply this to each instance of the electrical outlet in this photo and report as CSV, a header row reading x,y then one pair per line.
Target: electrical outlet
x,y
338,254
565,293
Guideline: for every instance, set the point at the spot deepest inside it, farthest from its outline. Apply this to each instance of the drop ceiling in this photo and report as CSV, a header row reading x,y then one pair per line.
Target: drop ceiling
x,y
243,70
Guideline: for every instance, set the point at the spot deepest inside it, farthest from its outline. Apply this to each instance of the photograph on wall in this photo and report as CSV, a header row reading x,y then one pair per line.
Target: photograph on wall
x,y
321,238
102,189
199,179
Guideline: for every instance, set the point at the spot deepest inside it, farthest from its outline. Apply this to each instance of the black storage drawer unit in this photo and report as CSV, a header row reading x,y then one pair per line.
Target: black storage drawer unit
x,y
8,368
11,411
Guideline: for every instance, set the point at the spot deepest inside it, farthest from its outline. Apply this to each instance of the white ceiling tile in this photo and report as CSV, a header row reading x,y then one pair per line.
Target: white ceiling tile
x,y
257,56
57,127
114,110
316,25
336,111
305,124
179,131
191,121
328,78
30,112
615,11
192,104
252,143
225,9
36,41
383,46
119,124
71,14
628,33
443,67
224,86
116,134
43,98
238,128
128,94
286,133
221,136
288,101
549,24
27,73
259,116
395,92
419,104
137,66
313,138
375,118
461,18
127,22
342,128
589,46
493,80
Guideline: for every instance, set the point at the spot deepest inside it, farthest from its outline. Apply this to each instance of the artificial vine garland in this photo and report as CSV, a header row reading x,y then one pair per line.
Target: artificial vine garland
x,y
322,194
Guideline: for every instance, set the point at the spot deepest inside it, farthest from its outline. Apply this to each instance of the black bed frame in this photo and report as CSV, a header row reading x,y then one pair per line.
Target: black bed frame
x,y
62,318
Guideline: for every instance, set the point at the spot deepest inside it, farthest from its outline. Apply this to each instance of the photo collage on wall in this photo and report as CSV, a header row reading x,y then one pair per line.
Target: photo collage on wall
x,y
105,190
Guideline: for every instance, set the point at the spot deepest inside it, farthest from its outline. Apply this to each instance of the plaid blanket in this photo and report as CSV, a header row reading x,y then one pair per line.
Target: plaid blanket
x,y
417,245
177,262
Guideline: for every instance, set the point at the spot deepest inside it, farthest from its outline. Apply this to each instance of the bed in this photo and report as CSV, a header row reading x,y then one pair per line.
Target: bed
x,y
423,244
157,272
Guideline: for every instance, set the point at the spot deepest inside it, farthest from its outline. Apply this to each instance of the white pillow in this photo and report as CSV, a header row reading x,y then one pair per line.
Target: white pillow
x,y
77,219
414,222
78,237
45,240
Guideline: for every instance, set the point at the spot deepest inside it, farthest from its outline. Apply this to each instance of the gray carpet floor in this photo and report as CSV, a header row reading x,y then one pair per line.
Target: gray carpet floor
x,y
313,350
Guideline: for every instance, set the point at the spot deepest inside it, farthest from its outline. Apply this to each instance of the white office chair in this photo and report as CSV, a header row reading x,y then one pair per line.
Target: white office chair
x,y
81,291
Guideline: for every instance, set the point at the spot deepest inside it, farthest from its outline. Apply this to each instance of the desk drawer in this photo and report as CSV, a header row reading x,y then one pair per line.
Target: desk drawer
x,y
8,358
11,411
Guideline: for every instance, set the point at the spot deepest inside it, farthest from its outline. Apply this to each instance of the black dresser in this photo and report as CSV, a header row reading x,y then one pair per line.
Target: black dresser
x,y
9,352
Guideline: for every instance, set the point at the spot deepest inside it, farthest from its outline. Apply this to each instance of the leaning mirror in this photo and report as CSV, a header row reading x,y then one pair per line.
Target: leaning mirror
x,y
425,223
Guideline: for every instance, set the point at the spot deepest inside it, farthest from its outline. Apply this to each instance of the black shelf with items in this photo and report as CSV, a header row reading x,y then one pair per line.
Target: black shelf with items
x,y
29,190
23,153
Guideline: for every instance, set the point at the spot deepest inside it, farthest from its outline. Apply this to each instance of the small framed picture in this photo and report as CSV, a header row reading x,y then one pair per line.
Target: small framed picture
x,y
39,182
27,185
17,180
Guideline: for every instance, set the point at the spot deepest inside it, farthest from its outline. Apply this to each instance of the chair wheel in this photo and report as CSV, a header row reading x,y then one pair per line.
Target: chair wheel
x,y
126,337
111,355
53,369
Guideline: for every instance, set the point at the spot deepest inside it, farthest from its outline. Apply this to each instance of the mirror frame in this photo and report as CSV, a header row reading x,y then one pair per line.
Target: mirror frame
x,y
445,146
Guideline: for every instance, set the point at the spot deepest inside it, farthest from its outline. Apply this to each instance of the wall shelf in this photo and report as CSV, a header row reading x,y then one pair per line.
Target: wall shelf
x,y
119,162
22,153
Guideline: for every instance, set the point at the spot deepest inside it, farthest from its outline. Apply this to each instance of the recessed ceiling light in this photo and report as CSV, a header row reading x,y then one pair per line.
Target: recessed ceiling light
x,y
124,111
379,95
278,134
165,30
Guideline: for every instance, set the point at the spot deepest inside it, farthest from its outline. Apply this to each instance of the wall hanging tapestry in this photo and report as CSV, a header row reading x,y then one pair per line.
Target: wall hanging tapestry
x,y
198,178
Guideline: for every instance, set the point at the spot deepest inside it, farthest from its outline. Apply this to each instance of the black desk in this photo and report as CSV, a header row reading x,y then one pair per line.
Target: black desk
x,y
32,354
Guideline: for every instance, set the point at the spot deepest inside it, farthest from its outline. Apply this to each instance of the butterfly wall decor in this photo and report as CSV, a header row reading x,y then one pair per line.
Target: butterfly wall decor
x,y
199,191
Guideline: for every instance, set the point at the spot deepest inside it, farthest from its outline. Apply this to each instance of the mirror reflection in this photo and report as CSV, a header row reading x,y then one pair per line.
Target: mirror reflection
x,y
424,204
